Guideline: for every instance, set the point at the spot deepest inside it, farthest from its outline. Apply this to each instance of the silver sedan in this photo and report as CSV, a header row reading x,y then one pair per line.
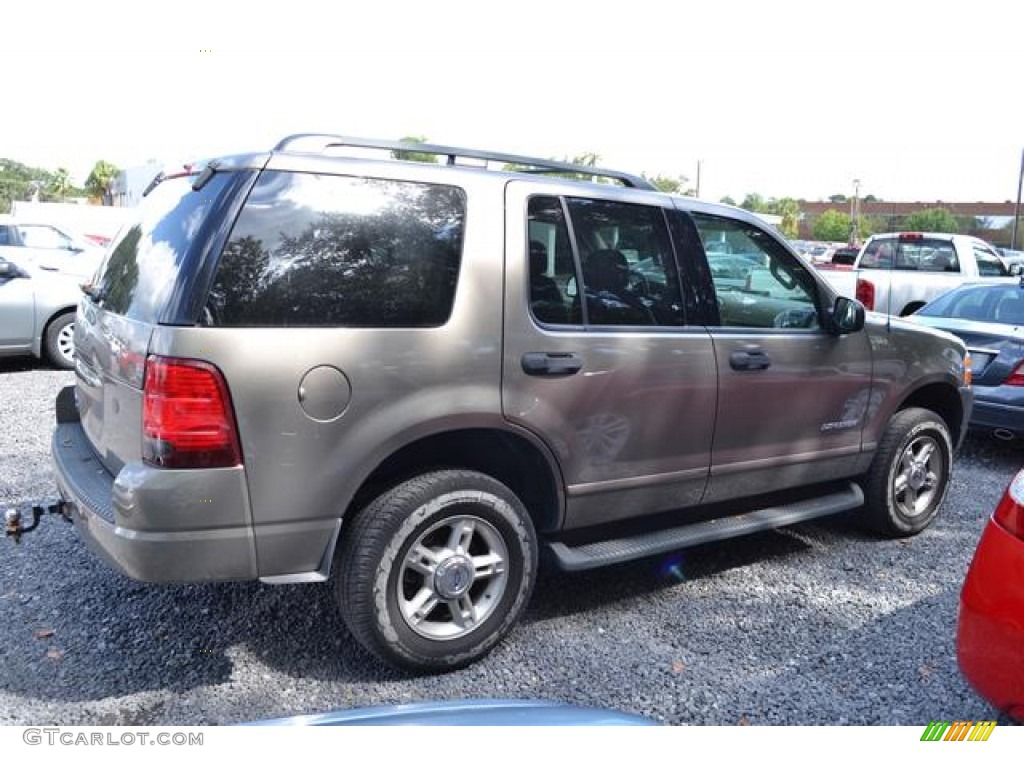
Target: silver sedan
x,y
37,312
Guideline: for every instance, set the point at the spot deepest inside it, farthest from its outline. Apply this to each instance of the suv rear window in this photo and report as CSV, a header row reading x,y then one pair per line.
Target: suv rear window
x,y
144,261
316,250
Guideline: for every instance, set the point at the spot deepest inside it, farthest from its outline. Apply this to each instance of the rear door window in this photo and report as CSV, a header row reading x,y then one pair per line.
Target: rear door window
x,y
317,250
917,254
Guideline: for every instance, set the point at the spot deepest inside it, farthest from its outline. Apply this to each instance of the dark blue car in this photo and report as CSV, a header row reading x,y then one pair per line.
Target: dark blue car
x,y
990,320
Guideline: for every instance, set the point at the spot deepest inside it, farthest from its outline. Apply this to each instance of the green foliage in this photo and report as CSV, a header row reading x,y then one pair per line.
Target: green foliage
x,y
755,203
789,210
673,185
411,155
98,182
832,226
931,220
727,201
838,198
60,184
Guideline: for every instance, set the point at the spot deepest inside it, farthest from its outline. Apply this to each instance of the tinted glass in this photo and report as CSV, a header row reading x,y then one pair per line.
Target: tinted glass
x,y
629,273
758,283
312,250
142,265
913,254
987,304
989,264
551,266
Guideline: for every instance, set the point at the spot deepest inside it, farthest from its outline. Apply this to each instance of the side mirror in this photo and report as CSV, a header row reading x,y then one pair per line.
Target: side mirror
x,y
1017,269
9,271
847,315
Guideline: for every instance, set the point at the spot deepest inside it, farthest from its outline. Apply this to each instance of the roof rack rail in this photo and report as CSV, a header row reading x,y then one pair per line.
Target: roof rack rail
x,y
323,141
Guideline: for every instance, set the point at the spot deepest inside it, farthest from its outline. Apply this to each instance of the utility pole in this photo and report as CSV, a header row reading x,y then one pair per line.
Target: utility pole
x,y
698,179
1016,210
855,214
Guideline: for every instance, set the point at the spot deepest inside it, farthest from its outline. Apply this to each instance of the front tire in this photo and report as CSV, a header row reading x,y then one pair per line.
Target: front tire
x,y
909,476
60,341
432,574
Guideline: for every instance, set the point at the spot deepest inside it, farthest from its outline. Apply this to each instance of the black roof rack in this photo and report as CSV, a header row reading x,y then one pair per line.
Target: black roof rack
x,y
322,141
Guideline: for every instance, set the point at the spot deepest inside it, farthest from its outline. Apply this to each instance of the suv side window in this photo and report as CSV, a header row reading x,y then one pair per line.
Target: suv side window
x,y
315,250
552,265
757,282
42,237
627,263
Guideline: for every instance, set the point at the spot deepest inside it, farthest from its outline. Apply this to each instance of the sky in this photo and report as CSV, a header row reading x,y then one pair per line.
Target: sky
x,y
916,100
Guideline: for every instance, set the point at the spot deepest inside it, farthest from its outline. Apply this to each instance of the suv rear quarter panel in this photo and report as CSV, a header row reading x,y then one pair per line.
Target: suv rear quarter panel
x,y
405,383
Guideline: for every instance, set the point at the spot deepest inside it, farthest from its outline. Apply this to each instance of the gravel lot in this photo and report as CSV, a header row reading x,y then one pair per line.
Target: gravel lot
x,y
816,624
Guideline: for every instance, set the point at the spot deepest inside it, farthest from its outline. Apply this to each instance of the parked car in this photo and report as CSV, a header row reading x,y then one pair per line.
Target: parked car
x,y
48,247
37,312
416,378
898,273
488,712
1014,260
990,320
990,627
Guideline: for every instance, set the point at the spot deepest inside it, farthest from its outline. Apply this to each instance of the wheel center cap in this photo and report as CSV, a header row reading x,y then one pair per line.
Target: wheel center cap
x,y
453,577
917,477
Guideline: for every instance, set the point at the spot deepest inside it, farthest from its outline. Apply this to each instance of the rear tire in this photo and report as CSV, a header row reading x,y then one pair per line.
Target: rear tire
x,y
909,476
432,574
60,341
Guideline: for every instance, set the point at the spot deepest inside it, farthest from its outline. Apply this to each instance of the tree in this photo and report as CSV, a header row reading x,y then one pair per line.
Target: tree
x,y
727,201
674,185
412,155
755,203
832,226
98,183
837,198
932,220
60,184
789,210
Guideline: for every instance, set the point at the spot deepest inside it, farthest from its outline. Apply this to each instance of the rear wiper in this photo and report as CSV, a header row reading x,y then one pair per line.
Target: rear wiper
x,y
153,184
205,176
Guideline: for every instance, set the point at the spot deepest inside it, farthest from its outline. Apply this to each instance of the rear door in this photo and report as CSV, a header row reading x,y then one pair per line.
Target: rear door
x,y
600,360
793,398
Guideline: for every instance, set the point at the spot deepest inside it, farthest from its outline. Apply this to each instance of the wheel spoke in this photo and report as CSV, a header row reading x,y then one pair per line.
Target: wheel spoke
x,y
487,565
461,536
910,497
927,449
900,484
421,605
422,560
931,480
463,611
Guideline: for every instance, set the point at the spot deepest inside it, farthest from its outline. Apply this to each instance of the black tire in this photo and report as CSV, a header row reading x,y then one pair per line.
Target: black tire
x,y
59,349
909,476
444,609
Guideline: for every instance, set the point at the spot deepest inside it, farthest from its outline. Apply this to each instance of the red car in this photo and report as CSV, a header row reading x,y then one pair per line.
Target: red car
x,y
990,634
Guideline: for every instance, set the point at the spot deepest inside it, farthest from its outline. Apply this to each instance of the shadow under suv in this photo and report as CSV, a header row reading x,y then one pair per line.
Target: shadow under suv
x,y
417,379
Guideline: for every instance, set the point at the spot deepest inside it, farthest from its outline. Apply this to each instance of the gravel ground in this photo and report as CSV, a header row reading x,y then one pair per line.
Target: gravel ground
x,y
818,624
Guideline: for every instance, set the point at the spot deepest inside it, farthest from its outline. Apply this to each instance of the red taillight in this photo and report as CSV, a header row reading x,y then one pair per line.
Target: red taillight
x,y
865,293
187,420
1016,379
1010,512
911,236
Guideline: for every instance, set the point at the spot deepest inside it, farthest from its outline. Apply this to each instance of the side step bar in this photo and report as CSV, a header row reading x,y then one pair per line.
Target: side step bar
x,y
622,550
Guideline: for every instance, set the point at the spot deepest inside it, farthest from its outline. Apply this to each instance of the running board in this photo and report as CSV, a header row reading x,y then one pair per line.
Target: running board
x,y
612,551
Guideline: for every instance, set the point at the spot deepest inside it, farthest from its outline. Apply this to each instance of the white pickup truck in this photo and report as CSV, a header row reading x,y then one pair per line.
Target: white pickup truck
x,y
898,273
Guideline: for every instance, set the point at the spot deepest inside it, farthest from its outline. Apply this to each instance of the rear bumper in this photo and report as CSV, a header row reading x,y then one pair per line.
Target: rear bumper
x,y
991,413
152,524
990,633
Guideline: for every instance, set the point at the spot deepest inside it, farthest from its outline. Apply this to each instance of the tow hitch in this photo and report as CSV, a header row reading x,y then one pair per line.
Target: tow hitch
x,y
14,524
